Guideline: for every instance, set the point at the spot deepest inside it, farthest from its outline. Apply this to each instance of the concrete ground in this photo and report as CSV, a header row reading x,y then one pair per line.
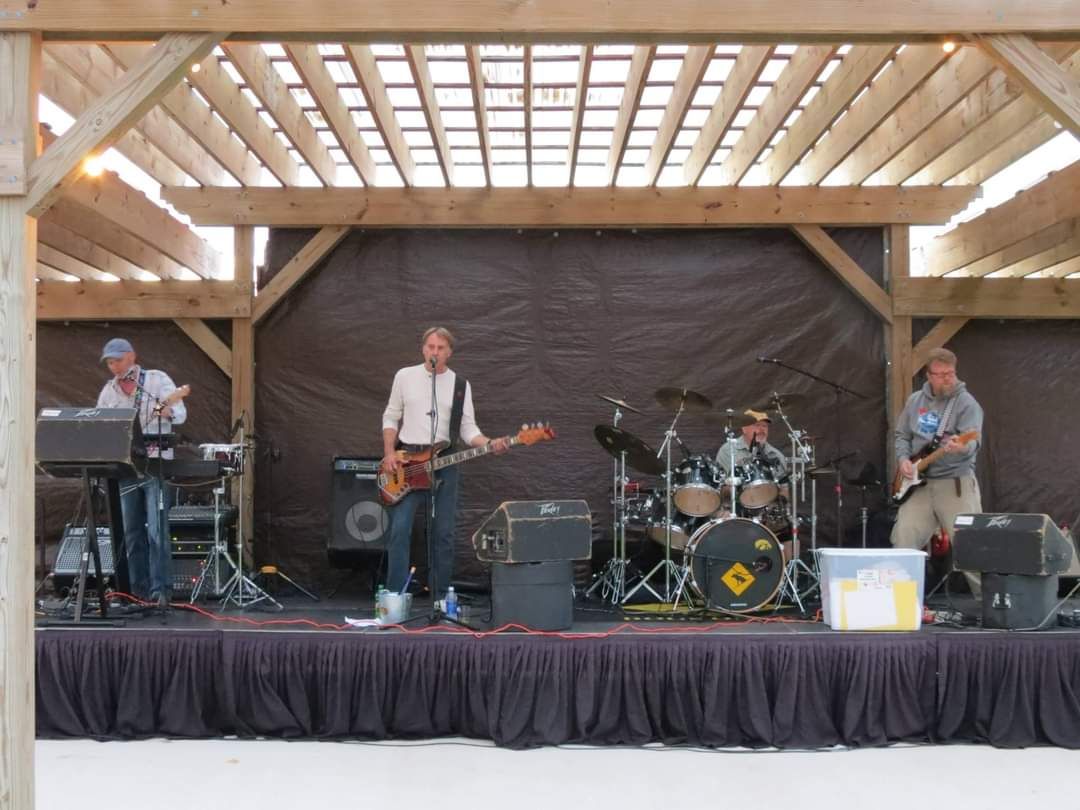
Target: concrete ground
x,y
458,773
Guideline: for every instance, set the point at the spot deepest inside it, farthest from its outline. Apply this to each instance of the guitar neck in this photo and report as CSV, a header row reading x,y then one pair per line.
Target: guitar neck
x,y
930,459
471,453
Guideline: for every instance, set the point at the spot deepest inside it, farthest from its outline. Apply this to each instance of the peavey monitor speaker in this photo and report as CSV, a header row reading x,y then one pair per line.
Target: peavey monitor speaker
x,y
358,520
535,531
106,442
1010,544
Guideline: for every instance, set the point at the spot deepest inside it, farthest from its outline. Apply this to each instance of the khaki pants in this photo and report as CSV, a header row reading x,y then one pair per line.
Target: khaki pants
x,y
935,506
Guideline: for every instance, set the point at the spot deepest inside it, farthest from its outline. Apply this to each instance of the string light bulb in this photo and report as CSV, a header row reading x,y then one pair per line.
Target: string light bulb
x,y
93,166
196,67
948,46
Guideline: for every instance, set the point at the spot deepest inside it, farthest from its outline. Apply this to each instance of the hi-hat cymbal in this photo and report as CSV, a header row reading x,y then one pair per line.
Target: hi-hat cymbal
x,y
619,403
782,400
690,400
639,455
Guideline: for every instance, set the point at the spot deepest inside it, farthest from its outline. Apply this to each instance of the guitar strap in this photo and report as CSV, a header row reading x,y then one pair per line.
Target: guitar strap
x,y
944,423
457,410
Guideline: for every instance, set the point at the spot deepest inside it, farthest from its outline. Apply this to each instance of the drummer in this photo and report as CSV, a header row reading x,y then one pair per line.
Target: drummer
x,y
753,443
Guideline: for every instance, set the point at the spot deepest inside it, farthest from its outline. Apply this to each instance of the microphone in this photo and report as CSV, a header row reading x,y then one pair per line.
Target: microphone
x,y
767,360
433,361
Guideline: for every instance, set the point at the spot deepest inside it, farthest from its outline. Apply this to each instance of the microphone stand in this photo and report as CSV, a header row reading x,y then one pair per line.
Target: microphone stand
x,y
437,613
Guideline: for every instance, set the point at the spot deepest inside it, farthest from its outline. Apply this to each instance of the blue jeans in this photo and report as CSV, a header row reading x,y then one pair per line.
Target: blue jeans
x,y
148,549
401,523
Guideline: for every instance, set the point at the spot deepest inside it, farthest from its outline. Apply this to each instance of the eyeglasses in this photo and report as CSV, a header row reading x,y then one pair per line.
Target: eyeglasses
x,y
941,374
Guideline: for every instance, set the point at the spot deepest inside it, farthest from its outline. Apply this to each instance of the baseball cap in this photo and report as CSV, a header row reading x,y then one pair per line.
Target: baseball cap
x,y
115,349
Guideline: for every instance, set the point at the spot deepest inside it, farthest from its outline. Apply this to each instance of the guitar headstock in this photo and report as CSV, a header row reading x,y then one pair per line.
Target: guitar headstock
x,y
537,432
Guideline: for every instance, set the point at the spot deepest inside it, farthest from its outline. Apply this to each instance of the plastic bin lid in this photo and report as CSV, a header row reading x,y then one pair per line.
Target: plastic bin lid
x,y
871,552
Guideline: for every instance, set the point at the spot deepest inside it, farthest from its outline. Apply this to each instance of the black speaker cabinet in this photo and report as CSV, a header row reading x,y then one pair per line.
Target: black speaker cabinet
x,y
1010,544
69,555
538,595
535,531
105,441
358,520
1019,602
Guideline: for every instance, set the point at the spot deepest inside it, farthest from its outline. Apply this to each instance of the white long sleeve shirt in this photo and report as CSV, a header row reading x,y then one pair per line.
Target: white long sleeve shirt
x,y
409,406
157,384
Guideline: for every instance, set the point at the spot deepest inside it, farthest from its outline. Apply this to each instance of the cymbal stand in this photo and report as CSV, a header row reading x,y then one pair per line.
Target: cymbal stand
x,y
666,565
801,455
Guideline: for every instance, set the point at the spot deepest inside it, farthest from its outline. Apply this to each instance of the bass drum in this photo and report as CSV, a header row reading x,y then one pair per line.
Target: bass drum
x,y
735,565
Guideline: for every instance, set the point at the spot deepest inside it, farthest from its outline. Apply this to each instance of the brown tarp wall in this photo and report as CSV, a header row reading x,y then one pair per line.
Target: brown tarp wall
x,y
545,322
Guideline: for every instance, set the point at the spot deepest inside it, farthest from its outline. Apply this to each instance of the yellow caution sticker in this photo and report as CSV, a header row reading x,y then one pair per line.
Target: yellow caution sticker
x,y
738,578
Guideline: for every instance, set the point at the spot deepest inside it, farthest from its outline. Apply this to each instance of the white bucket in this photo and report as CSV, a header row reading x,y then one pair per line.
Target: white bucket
x,y
392,607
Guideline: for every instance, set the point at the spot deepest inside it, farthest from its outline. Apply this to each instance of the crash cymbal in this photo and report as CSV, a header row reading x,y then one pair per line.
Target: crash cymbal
x,y
639,455
783,400
690,400
619,403
738,419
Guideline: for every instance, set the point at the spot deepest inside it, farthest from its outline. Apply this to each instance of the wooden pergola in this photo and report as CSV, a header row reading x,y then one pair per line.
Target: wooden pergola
x,y
380,114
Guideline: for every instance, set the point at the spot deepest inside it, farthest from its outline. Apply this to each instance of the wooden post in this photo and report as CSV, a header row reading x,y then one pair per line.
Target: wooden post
x,y
20,69
897,336
243,377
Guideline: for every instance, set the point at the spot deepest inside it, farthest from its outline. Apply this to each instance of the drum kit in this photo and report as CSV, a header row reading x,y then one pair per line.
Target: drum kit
x,y
734,518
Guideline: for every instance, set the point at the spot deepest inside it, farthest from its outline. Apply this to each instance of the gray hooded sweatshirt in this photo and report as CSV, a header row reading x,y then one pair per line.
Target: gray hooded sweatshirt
x,y
919,421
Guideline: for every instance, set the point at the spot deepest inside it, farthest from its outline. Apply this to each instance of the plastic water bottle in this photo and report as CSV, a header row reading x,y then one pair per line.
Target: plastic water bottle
x,y
451,603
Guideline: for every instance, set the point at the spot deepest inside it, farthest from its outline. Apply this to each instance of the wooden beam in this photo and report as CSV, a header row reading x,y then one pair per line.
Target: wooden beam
x,y
1050,262
1055,199
1031,254
317,248
44,272
546,20
589,207
1027,140
581,96
856,70
944,88
324,90
364,66
53,231
1063,270
268,86
140,300
198,120
1057,92
908,70
429,103
940,334
203,337
897,337
81,73
790,86
243,383
57,260
527,90
694,65
112,115
20,66
988,297
850,274
738,84
476,83
640,62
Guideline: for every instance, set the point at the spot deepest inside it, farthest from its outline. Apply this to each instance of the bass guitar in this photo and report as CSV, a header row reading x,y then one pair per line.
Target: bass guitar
x,y
903,488
415,472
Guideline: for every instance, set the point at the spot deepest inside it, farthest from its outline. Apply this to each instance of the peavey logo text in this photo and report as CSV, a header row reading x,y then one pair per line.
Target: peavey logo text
x,y
999,522
549,508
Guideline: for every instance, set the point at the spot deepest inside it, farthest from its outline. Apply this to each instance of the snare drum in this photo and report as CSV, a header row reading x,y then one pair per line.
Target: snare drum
x,y
696,491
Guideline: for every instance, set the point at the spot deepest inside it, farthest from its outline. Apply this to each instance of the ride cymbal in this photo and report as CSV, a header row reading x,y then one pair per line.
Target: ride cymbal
x,y
639,455
689,400
619,403
781,400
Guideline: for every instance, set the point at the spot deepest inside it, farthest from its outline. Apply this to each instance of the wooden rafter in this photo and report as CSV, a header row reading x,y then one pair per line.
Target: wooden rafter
x,y
738,84
200,123
1021,258
547,20
846,269
543,207
306,259
68,264
527,89
694,65
791,85
205,338
940,334
137,300
1054,200
429,103
988,297
1022,143
908,69
53,231
263,79
856,70
366,69
476,84
1057,92
73,98
581,94
640,62
110,116
1063,270
45,272
1049,261
82,73
942,89
324,90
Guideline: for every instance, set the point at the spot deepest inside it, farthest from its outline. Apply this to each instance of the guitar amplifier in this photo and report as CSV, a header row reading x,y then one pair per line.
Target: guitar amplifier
x,y
69,555
535,531
1010,544
106,442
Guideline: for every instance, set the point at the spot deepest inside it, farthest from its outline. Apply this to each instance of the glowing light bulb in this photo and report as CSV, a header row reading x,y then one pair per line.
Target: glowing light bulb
x,y
948,46
93,166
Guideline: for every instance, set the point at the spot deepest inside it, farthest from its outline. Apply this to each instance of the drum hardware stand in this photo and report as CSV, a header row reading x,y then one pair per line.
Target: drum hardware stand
x,y
865,481
666,565
801,455
219,551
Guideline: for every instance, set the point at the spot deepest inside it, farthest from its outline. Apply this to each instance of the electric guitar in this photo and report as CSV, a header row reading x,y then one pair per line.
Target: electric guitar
x,y
415,474
903,488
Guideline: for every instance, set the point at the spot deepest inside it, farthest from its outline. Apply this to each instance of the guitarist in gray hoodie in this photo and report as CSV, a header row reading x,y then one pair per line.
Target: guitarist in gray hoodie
x,y
936,439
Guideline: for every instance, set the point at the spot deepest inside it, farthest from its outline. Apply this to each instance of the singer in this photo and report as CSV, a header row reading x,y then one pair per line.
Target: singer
x,y
407,423
144,500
